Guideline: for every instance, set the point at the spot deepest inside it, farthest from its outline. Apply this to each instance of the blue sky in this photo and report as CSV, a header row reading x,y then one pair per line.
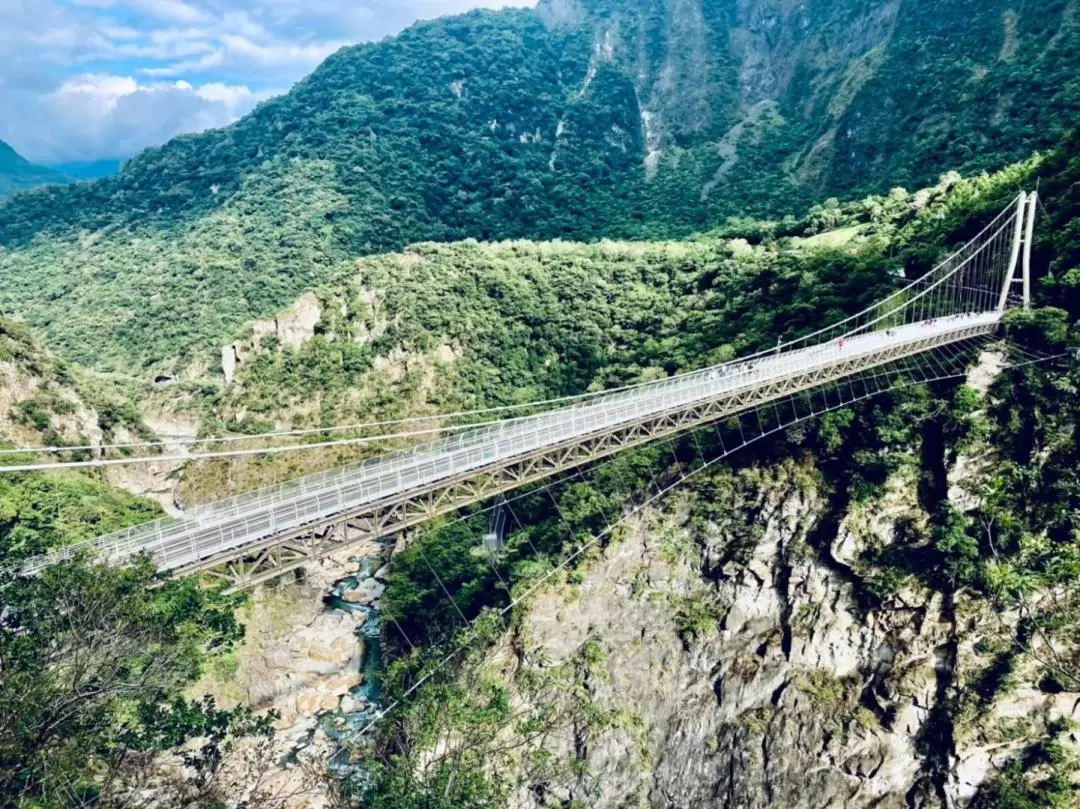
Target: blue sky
x,y
92,79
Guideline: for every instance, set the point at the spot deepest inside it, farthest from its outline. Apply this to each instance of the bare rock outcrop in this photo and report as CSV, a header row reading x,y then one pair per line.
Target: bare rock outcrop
x,y
290,328
757,671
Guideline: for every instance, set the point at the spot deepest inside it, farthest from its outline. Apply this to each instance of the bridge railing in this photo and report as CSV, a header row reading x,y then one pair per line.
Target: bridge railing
x,y
184,542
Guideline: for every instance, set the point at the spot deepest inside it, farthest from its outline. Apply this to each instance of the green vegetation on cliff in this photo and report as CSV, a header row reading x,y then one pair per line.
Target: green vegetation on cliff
x,y
94,663
94,660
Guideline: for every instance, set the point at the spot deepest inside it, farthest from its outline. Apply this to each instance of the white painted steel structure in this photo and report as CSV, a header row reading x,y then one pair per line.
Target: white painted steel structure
x,y
252,537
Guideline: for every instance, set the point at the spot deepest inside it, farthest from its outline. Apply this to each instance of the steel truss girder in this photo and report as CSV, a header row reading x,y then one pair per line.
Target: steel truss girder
x,y
260,562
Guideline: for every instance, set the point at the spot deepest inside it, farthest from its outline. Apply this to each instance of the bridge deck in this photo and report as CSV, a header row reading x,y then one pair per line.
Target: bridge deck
x,y
234,524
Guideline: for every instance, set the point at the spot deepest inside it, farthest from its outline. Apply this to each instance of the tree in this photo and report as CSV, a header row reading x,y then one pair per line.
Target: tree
x,y
93,660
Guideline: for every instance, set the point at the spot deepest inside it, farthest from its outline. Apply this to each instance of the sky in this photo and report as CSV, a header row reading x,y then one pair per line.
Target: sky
x,y
84,80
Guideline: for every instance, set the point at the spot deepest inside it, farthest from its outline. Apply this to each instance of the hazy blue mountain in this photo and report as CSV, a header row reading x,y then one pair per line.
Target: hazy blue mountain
x,y
19,174
90,170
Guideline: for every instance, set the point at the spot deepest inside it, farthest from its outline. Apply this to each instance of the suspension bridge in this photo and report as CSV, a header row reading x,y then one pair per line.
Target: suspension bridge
x,y
250,538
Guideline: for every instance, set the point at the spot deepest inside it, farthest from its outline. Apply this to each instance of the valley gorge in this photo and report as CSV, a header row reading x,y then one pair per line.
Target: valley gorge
x,y
500,212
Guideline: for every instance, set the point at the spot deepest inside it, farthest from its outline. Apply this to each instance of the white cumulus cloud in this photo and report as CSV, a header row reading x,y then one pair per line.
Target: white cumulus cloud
x,y
97,115
232,97
90,79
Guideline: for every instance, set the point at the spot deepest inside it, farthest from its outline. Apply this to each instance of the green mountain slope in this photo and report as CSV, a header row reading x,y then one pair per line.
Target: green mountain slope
x,y
467,325
582,119
19,174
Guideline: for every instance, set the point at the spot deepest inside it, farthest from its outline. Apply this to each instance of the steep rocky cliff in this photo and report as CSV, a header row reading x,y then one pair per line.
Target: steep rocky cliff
x,y
38,399
762,639
46,403
799,688
861,94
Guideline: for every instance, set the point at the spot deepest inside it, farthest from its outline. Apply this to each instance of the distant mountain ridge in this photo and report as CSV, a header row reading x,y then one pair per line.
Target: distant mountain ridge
x,y
839,97
19,174
581,119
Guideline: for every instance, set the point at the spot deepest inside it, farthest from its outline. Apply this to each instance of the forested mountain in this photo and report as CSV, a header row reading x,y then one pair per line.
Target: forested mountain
x,y
582,119
877,607
872,592
19,174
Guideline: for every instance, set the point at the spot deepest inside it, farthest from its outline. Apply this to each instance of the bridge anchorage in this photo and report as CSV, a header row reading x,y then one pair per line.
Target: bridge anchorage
x,y
254,537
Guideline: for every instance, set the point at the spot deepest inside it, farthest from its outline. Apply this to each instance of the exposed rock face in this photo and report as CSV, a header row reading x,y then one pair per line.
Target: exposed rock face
x,y
290,328
306,659
800,694
24,383
229,361
703,70
299,657
156,481
837,73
